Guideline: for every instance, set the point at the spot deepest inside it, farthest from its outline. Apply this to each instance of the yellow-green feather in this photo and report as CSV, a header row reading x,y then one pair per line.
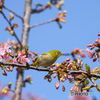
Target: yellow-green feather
x,y
47,58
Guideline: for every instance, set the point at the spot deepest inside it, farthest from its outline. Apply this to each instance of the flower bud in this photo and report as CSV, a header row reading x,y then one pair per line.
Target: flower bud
x,y
46,77
49,79
5,90
69,77
30,82
57,85
61,3
65,11
72,89
54,76
4,73
28,77
8,69
12,32
99,34
33,60
11,16
15,25
9,85
63,88
94,59
49,4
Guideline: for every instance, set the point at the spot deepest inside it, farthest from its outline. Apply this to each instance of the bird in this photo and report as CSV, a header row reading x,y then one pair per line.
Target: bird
x,y
46,59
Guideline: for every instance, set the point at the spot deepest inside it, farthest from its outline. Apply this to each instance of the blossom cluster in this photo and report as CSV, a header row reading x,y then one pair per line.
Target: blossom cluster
x,y
9,52
5,50
95,53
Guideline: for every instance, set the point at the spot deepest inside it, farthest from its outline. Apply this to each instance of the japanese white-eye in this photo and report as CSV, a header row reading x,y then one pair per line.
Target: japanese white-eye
x,y
46,59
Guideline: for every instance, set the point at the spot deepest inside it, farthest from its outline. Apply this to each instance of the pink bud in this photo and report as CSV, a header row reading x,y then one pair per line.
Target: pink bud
x,y
17,69
14,60
33,60
96,41
54,76
57,85
7,28
82,55
69,77
35,53
73,75
46,77
11,68
68,59
49,79
15,25
94,59
19,54
63,79
63,88
99,34
4,73
7,69
89,45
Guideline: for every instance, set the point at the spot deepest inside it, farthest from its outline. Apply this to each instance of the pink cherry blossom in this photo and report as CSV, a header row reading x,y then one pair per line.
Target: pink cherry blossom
x,y
24,60
90,53
19,54
14,60
6,57
2,51
7,47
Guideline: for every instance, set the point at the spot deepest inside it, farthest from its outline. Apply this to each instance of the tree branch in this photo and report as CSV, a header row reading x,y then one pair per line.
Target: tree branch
x,y
6,18
39,10
13,12
11,26
43,23
70,72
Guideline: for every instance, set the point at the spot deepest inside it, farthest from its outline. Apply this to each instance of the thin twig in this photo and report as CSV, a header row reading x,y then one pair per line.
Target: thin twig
x,y
92,80
13,12
39,10
6,18
43,23
11,90
11,26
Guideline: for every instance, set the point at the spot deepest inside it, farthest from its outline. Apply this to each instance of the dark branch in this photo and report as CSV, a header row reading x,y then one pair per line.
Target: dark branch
x,y
70,72
39,10
6,18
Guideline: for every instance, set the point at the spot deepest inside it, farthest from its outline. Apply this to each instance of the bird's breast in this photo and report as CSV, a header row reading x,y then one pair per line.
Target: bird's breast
x,y
45,60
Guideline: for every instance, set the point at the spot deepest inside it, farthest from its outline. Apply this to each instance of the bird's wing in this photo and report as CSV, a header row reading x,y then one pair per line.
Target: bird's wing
x,y
46,56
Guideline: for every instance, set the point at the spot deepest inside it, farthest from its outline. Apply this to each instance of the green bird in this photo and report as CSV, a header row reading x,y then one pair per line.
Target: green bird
x,y
46,59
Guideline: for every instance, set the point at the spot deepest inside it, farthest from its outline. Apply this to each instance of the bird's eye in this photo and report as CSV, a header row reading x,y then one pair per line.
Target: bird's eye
x,y
57,53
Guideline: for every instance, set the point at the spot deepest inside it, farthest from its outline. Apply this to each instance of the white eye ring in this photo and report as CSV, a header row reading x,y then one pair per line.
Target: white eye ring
x,y
57,53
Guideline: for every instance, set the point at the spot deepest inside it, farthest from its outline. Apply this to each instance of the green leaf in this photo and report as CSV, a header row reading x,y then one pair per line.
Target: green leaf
x,y
87,69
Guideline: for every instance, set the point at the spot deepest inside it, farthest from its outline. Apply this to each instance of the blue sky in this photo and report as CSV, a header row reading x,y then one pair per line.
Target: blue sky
x,y
81,28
